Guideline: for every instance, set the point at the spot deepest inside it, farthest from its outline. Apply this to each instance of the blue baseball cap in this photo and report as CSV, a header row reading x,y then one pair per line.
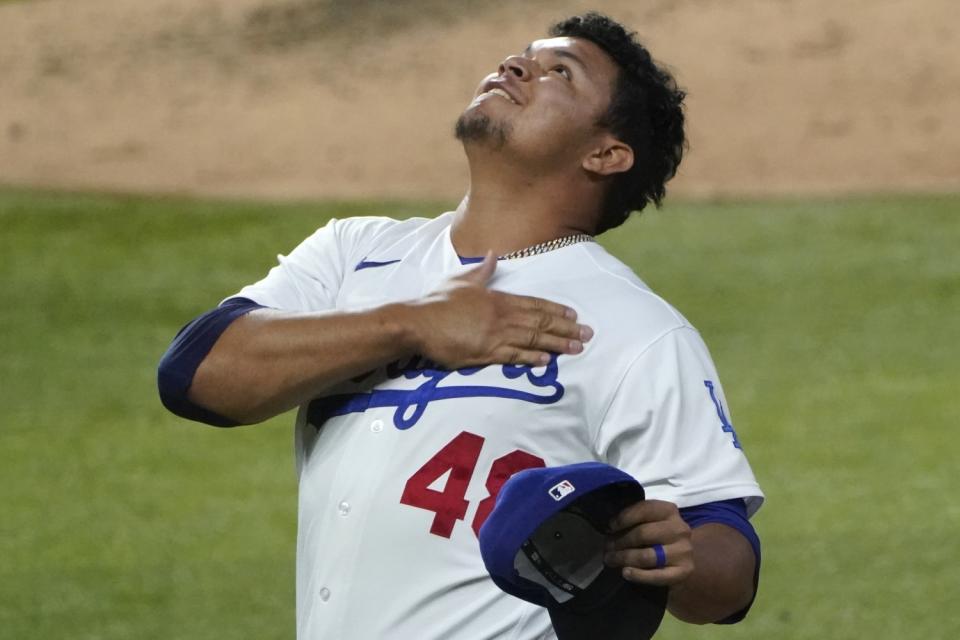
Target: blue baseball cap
x,y
544,543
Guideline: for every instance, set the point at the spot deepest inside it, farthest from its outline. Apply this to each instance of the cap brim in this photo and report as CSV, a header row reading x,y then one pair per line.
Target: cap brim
x,y
633,613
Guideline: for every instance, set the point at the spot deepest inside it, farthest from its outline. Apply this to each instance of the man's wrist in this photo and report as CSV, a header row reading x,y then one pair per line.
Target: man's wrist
x,y
400,321
721,584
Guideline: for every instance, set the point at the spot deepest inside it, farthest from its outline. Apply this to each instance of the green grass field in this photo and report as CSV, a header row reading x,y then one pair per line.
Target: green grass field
x,y
835,326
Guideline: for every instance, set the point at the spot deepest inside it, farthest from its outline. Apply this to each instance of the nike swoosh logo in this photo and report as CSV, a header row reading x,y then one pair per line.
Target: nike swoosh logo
x,y
370,264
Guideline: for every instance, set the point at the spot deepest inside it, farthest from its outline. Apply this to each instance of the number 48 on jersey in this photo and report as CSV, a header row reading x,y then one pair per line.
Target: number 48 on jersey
x,y
459,457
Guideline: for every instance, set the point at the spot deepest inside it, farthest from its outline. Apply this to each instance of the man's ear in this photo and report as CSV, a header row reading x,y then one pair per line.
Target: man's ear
x,y
609,157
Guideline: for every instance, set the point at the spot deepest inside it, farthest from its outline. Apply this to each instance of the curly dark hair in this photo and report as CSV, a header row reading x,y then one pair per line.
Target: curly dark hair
x,y
646,112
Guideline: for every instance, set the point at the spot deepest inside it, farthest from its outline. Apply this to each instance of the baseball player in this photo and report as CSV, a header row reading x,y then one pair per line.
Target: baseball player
x,y
432,358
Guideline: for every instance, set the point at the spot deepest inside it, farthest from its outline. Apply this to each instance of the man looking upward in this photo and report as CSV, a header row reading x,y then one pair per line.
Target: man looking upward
x,y
433,358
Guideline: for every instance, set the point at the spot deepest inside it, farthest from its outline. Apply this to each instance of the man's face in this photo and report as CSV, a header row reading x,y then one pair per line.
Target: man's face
x,y
542,105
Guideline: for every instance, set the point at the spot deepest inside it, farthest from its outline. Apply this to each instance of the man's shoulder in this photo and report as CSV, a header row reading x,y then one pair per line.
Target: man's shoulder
x,y
364,234
616,287
379,227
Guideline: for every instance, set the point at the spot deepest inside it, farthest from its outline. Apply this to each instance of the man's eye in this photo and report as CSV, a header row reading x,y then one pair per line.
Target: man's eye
x,y
562,70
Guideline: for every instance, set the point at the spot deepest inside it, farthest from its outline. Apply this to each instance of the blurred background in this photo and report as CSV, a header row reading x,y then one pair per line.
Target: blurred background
x,y
357,98
155,157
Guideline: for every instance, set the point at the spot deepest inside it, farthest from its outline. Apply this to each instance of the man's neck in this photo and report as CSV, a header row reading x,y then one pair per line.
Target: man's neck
x,y
507,209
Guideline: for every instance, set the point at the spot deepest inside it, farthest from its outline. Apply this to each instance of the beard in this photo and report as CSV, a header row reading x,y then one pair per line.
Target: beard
x,y
479,127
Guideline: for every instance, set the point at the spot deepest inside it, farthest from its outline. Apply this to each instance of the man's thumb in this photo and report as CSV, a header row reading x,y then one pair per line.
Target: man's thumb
x,y
482,272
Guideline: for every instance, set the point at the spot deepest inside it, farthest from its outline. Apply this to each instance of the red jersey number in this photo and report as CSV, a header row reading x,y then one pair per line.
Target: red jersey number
x,y
459,458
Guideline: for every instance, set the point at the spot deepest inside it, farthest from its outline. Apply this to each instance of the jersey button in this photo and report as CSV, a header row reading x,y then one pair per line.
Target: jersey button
x,y
376,426
343,508
324,594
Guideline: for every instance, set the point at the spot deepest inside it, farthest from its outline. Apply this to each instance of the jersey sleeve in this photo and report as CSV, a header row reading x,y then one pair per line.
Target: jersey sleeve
x,y
306,279
310,276
668,425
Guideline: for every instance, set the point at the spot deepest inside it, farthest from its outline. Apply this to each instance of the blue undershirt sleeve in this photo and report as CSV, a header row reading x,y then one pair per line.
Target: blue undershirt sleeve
x,y
732,513
183,357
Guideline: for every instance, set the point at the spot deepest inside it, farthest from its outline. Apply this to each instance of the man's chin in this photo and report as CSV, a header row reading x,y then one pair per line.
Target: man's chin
x,y
474,126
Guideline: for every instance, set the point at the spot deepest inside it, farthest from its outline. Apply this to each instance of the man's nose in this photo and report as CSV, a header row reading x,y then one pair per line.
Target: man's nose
x,y
518,66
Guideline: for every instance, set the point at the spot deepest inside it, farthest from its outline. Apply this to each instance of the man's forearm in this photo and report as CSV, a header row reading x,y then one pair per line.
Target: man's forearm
x,y
722,581
269,361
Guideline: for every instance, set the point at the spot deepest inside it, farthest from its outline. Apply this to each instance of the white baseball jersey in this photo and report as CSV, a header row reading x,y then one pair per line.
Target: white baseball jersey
x,y
399,468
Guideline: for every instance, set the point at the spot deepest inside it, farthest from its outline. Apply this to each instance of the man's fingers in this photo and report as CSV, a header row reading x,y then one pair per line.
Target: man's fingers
x,y
646,534
640,565
482,272
547,317
646,557
643,511
541,341
517,355
552,324
657,577
531,303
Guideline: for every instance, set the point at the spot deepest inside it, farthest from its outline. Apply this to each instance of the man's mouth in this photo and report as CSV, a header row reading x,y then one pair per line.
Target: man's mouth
x,y
503,94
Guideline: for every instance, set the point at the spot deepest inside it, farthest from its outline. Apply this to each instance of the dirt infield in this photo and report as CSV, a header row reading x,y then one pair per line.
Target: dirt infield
x,y
332,98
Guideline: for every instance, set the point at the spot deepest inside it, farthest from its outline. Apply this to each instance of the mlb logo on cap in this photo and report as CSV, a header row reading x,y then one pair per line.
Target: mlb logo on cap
x,y
561,490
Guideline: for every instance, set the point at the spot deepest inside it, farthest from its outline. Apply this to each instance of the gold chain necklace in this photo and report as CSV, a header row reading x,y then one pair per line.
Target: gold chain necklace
x,y
549,245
